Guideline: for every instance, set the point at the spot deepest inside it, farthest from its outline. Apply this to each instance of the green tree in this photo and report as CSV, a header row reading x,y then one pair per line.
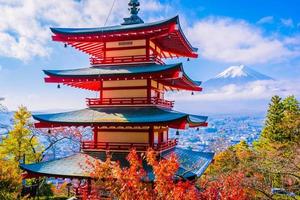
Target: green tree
x,y
291,119
283,120
273,125
20,145
10,180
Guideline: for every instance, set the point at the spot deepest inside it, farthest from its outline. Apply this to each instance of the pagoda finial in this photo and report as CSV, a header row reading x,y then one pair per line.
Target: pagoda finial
x,y
134,10
134,4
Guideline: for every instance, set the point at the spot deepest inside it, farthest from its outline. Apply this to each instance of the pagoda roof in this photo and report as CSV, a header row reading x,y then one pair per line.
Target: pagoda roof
x,y
192,164
106,116
113,70
172,75
75,166
166,33
113,29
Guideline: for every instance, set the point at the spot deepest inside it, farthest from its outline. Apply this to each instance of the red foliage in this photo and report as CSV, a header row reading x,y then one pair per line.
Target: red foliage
x,y
225,187
130,183
164,186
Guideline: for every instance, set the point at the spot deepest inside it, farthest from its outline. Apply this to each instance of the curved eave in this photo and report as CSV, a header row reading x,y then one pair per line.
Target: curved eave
x,y
115,71
75,166
172,76
112,29
121,116
184,83
162,31
192,163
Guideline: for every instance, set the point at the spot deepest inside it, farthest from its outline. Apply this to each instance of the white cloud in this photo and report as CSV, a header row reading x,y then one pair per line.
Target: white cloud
x,y
257,90
236,41
251,98
266,20
151,5
24,25
287,22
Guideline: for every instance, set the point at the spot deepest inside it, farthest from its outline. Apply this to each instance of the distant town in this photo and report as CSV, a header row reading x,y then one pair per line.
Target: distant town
x,y
222,132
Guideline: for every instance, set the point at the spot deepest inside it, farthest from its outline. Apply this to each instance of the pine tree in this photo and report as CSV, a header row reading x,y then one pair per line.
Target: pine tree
x,y
20,145
291,120
291,105
273,129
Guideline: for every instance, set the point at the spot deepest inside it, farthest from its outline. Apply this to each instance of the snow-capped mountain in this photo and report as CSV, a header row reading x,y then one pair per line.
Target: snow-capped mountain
x,y
237,75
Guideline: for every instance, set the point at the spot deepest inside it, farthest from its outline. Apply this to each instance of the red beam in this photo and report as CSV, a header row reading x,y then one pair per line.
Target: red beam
x,y
125,48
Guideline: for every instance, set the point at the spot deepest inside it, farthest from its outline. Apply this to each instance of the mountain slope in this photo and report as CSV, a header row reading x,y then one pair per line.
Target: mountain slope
x,y
238,75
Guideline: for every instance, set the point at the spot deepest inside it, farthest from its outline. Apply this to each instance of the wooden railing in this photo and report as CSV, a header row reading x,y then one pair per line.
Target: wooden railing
x,y
125,59
94,102
121,146
165,145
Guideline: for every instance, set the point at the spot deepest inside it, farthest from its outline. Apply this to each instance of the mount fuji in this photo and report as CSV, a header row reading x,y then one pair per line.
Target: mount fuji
x,y
238,75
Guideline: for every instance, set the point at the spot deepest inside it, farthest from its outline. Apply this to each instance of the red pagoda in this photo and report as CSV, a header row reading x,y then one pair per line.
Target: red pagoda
x,y
129,74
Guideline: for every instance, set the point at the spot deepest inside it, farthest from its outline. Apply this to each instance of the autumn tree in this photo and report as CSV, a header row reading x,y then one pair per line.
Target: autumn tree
x,y
278,154
10,180
54,140
283,120
229,187
164,172
291,119
132,183
22,143
272,161
20,146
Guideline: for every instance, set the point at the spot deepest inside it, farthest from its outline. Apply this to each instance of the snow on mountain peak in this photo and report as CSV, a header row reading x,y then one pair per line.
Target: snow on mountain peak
x,y
236,75
241,71
233,72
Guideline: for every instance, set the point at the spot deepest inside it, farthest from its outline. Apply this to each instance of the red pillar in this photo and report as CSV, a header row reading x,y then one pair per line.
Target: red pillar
x,y
151,136
147,50
149,91
95,131
101,91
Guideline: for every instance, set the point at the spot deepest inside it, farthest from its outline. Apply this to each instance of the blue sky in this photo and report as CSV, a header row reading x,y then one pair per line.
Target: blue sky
x,y
263,35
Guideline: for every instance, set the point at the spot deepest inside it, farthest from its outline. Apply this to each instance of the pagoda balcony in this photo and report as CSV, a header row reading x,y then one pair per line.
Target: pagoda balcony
x,y
122,146
125,60
96,102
